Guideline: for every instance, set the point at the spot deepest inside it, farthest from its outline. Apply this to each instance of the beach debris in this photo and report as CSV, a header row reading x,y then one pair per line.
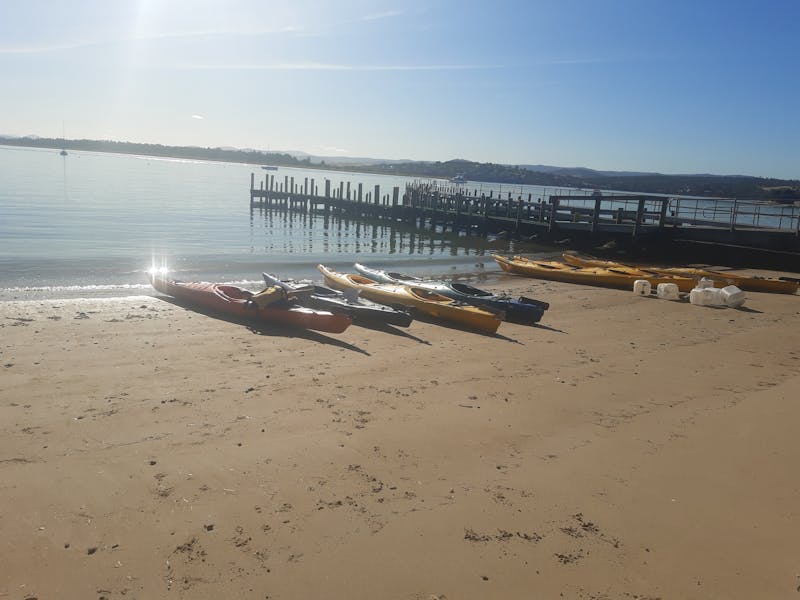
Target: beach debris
x,y
569,558
501,536
91,550
472,536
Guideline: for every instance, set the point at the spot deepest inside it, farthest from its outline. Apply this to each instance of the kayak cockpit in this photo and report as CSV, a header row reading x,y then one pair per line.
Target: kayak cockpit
x,y
360,280
469,290
429,295
233,293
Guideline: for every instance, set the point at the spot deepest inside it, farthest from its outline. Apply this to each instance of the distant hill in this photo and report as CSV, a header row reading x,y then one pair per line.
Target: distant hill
x,y
725,186
719,186
346,160
580,171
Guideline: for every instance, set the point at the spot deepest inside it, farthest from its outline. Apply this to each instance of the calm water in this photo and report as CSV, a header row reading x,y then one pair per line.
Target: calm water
x,y
90,225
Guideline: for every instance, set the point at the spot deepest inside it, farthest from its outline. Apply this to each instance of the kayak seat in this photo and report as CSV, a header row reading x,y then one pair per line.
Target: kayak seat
x,y
269,296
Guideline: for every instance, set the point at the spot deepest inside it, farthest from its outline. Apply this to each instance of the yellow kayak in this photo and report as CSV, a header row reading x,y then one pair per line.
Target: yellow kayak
x,y
622,277
423,300
746,282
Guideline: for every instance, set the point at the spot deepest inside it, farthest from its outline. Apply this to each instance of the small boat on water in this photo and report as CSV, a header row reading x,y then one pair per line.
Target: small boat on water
x,y
526,311
269,168
459,178
622,278
238,302
362,311
745,282
424,301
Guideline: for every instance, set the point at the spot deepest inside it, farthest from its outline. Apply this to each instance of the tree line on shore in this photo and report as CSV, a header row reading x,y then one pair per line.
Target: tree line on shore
x,y
726,186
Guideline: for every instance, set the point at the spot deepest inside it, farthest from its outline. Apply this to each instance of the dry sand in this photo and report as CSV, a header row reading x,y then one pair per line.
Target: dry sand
x,y
629,448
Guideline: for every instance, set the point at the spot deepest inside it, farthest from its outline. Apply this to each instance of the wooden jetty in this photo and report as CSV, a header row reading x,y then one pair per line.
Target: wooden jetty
x,y
592,217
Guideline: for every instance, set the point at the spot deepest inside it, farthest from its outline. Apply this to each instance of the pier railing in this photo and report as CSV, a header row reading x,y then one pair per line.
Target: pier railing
x,y
525,215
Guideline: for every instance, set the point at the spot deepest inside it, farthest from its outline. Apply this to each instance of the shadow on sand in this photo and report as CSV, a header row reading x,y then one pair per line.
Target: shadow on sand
x,y
269,329
391,330
547,328
448,325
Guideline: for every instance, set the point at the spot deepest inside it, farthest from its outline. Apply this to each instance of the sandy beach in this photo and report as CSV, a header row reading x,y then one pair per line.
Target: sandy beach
x,y
627,448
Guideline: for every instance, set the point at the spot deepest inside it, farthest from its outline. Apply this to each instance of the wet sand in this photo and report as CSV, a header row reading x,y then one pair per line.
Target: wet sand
x,y
628,448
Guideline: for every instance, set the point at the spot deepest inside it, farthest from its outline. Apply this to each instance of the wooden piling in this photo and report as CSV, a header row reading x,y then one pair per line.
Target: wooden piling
x,y
637,226
596,214
553,213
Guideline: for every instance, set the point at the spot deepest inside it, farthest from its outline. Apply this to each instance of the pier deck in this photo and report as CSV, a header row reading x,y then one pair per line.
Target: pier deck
x,y
631,218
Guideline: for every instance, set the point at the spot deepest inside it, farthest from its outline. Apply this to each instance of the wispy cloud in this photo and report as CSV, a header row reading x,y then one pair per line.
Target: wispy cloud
x,y
51,48
576,61
311,66
201,117
384,15
167,35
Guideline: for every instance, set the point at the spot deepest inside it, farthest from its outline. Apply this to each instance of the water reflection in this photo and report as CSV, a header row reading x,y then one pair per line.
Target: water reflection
x,y
297,232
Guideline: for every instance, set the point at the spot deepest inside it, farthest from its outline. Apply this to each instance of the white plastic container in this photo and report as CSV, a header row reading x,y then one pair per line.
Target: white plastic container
x,y
715,297
667,291
707,296
705,282
732,296
698,297
642,287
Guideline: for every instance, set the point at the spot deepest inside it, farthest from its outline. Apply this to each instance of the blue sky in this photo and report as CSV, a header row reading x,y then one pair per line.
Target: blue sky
x,y
669,86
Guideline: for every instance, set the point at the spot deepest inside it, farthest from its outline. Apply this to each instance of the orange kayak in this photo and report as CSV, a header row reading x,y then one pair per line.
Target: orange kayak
x,y
235,301
622,278
748,283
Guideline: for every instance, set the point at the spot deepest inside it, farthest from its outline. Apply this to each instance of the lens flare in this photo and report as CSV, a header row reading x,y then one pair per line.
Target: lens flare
x,y
155,270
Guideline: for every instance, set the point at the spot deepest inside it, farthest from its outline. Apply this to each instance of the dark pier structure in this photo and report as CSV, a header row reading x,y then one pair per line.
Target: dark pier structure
x,y
676,228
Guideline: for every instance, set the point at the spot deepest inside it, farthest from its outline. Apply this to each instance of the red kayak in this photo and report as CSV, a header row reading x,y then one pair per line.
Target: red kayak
x,y
237,302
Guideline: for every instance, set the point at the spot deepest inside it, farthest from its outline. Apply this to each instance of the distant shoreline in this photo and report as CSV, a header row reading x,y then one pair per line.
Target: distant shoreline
x,y
243,157
736,186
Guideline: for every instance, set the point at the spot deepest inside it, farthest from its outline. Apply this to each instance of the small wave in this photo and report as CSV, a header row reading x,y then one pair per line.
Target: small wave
x,y
78,288
88,291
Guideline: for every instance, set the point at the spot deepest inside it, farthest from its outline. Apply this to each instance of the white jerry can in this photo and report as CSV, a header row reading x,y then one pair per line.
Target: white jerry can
x,y
642,287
